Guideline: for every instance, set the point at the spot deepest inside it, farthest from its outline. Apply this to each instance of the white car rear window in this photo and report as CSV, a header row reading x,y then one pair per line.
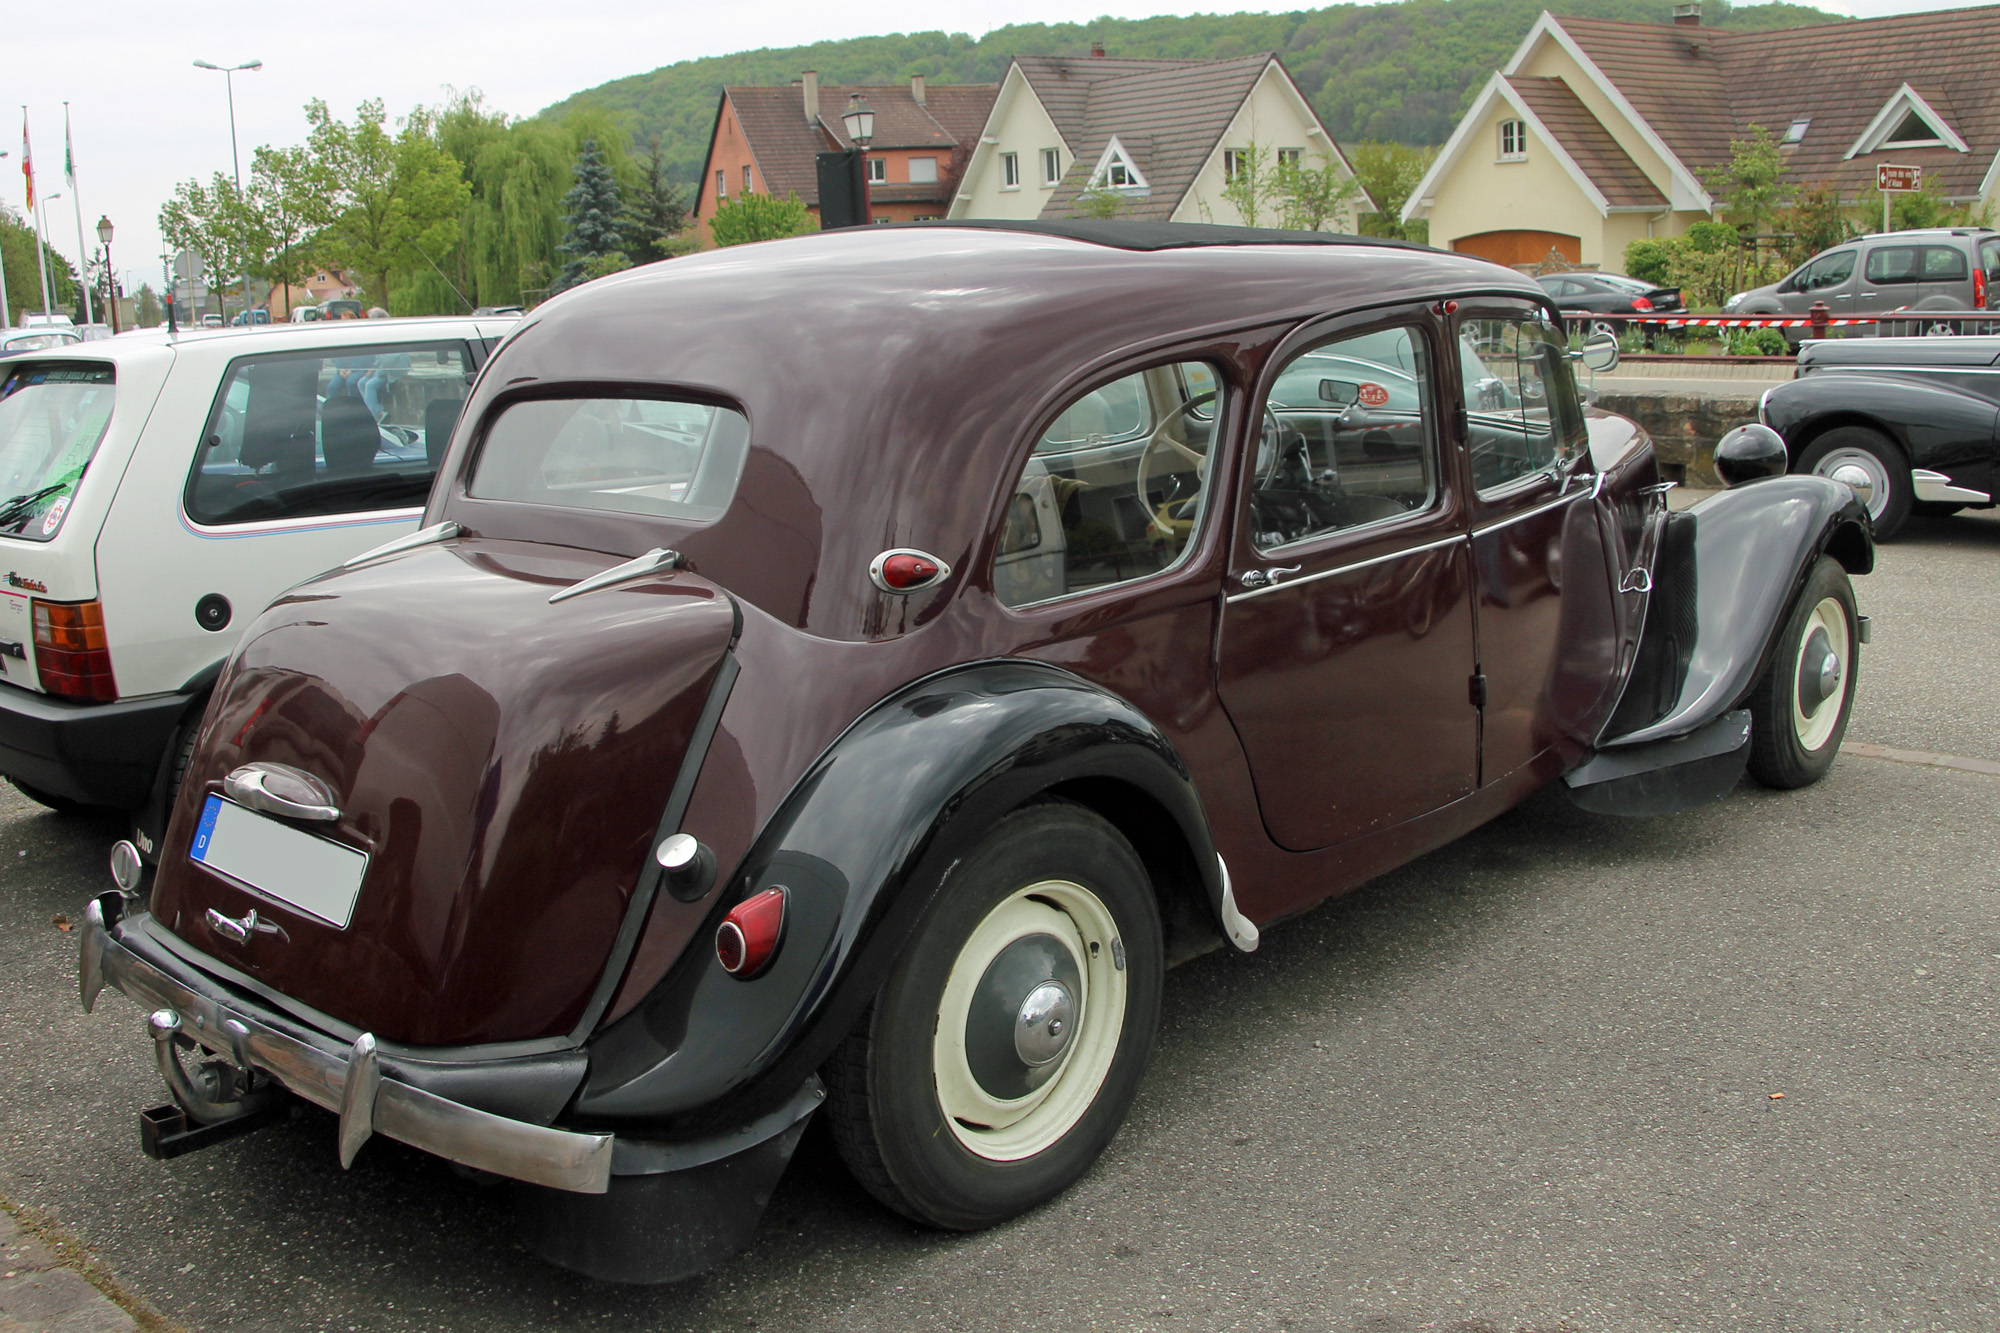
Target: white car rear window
x,y
52,415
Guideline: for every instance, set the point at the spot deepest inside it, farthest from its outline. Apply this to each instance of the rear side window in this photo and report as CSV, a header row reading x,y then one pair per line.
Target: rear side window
x,y
656,456
341,431
1895,263
52,416
1989,259
1943,263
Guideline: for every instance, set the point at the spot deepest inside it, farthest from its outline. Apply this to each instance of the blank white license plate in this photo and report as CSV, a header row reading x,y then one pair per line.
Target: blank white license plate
x,y
313,874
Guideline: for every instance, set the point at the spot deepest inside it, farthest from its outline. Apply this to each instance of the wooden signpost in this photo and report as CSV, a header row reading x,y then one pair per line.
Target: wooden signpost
x,y
1896,180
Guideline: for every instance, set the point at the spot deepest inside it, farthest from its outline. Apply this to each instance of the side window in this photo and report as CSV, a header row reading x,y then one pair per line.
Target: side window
x,y
1830,271
1989,260
1520,405
336,432
1943,263
1347,439
1114,488
1893,264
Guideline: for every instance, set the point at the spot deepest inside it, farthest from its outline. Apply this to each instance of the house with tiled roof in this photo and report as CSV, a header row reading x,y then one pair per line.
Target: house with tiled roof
x,y
1162,137
768,141
1597,132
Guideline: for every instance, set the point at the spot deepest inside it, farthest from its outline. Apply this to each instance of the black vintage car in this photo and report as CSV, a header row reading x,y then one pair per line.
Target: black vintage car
x,y
1909,423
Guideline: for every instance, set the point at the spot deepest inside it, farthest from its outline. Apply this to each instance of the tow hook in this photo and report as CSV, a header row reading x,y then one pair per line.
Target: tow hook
x,y
215,1103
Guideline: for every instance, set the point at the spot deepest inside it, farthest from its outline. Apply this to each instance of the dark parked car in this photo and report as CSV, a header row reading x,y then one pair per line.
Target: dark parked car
x,y
864,701
1591,300
1909,423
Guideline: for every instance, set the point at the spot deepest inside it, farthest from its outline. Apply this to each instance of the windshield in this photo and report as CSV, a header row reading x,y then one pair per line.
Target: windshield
x,y
656,456
51,418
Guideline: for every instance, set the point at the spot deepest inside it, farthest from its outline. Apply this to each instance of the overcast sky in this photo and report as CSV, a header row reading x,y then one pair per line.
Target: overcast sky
x,y
144,118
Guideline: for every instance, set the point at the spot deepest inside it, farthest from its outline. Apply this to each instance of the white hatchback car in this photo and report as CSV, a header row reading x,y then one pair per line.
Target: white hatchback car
x,y
160,491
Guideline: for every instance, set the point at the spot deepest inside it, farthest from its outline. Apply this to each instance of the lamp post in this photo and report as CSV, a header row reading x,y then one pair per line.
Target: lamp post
x,y
859,122
110,278
42,202
235,158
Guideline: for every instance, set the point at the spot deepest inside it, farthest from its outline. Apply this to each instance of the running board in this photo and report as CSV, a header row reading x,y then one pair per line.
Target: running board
x,y
1665,777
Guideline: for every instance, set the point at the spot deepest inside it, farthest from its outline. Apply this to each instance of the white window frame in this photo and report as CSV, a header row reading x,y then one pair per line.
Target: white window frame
x,y
1051,167
1232,163
1513,140
1291,156
1010,171
1116,163
721,185
878,170
1906,102
746,179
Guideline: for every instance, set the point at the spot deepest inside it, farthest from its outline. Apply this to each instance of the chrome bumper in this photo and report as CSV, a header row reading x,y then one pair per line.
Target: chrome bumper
x,y
355,1087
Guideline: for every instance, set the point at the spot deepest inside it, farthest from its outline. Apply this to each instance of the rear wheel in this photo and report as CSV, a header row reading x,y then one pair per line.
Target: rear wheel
x,y
1799,710
1007,1044
1870,463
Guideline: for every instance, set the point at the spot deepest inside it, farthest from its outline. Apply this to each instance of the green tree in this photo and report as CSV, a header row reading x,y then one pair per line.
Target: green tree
x,y
146,308
1251,185
1310,197
215,222
591,243
1750,189
759,217
24,283
398,200
1815,220
656,213
1390,173
1102,205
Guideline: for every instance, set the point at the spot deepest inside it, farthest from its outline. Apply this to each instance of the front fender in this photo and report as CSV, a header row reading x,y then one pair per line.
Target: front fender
x,y
873,825
1936,425
1747,555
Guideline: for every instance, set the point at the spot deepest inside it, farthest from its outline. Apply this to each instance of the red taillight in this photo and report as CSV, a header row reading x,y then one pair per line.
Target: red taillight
x,y
1641,303
1979,289
907,571
70,652
749,936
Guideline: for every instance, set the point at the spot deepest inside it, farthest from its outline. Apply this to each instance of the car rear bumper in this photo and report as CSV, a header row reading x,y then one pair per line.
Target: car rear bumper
x,y
95,754
351,1084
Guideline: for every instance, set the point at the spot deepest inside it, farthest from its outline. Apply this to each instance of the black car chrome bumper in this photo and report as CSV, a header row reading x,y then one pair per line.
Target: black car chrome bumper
x,y
367,1100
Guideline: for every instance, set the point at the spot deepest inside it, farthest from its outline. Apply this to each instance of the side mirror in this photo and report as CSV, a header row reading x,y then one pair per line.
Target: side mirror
x,y
1339,392
1600,353
1749,453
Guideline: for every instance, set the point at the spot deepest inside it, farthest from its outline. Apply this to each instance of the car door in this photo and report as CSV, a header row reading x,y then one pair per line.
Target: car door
x,y
1829,278
1891,278
1345,651
1541,587
1947,279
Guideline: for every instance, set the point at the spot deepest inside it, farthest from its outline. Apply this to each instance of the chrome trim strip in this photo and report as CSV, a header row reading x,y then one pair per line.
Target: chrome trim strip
x,y
1346,569
1936,488
652,562
535,1153
436,532
1567,497
1912,370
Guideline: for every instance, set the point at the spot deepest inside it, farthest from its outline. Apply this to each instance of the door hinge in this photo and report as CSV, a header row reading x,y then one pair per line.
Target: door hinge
x,y
1477,689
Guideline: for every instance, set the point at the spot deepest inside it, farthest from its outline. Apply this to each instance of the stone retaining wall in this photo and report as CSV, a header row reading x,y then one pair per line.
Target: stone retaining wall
x,y
1685,426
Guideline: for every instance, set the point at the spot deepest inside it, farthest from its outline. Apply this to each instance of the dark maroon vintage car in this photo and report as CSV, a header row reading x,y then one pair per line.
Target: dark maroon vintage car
x,y
850,670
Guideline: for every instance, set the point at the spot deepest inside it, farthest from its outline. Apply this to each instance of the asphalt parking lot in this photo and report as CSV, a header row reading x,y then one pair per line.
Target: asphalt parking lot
x,y
1732,1069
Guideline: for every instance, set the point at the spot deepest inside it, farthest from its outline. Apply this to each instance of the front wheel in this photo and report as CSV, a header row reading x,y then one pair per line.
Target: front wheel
x,y
1799,710
1870,465
1007,1044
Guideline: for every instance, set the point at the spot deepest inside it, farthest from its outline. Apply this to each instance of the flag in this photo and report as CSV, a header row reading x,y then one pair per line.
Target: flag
x,y
27,161
69,151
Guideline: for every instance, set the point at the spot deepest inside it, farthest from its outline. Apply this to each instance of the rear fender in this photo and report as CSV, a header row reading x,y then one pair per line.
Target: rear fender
x,y
859,845
1747,553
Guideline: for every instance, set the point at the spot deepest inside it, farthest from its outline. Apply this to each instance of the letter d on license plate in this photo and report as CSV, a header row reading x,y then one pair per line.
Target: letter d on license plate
x,y
314,874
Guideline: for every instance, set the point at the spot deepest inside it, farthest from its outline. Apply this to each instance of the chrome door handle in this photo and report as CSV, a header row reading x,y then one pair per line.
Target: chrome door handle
x,y
1264,578
1637,580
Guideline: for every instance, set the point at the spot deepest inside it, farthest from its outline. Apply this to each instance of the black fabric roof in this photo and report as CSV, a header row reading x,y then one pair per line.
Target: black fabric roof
x,y
1121,235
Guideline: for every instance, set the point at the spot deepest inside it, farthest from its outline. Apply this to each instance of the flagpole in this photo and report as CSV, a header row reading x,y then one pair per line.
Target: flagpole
x,y
6,315
76,202
35,212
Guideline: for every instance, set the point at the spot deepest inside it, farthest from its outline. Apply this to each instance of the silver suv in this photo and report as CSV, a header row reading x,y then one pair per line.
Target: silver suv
x,y
1942,268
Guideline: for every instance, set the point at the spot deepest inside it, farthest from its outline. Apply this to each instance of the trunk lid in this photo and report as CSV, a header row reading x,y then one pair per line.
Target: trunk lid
x,y
502,761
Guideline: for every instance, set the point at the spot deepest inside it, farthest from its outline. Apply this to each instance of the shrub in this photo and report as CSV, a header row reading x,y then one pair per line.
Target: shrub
x,y
759,217
1648,260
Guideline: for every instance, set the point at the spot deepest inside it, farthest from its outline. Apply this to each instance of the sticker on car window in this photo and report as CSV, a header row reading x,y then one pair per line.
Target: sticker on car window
x,y
1372,395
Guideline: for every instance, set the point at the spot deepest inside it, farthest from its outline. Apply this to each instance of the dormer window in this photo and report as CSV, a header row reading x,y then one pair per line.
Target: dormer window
x,y
1907,120
1513,141
1116,170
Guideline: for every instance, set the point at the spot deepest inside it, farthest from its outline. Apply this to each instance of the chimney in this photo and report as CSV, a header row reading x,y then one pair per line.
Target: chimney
x,y
1097,50
917,89
1688,15
812,96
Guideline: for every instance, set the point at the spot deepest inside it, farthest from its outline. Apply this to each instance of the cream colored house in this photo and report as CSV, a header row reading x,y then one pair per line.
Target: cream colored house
x,y
1163,136
1597,132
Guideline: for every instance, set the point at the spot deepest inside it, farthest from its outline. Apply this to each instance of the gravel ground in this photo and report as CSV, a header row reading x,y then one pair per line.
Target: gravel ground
x,y
1530,1082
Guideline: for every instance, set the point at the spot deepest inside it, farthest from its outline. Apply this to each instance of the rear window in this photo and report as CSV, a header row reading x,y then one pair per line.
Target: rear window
x,y
52,416
654,456
333,432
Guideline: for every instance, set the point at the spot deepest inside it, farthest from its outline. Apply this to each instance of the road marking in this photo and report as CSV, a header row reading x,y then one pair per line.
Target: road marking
x,y
1924,757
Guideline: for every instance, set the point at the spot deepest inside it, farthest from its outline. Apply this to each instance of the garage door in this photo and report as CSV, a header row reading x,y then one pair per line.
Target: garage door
x,y
1520,247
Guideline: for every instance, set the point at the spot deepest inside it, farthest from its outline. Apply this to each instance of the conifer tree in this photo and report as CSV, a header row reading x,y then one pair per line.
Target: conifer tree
x,y
591,244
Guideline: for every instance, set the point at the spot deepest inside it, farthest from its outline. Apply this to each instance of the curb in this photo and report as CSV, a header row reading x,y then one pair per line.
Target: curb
x,y
51,1284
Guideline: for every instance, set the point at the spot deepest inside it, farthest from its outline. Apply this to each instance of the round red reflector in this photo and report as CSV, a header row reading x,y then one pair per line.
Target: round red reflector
x,y
908,571
749,936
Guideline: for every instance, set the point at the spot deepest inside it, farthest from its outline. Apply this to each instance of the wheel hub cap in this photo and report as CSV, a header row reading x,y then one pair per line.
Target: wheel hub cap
x,y
1023,1013
1042,1029
1819,672
1856,478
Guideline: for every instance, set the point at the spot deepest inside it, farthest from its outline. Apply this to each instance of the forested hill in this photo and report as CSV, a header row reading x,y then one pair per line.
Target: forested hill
x,y
1383,71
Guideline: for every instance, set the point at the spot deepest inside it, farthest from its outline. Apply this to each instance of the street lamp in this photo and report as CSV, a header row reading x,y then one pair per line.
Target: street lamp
x,y
110,279
859,119
235,158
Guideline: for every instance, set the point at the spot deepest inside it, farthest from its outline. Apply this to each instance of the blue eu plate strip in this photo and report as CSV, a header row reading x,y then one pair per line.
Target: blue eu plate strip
x,y
206,829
